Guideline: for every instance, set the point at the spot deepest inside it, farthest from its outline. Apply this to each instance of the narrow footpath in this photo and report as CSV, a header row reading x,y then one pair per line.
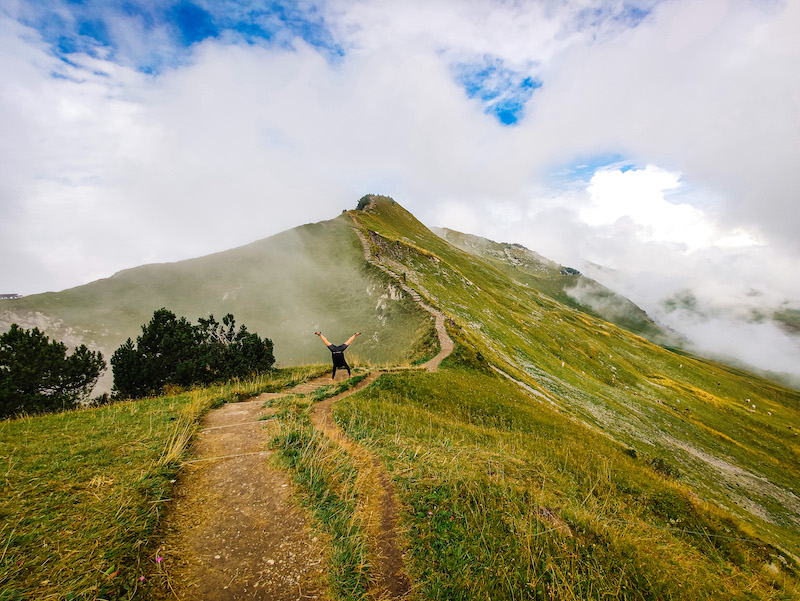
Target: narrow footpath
x,y
446,344
378,505
235,530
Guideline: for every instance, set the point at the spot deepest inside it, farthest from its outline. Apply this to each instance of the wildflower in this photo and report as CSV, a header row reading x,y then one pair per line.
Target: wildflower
x,y
141,578
159,559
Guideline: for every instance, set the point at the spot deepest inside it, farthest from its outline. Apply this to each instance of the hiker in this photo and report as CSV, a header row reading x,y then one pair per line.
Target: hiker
x,y
337,352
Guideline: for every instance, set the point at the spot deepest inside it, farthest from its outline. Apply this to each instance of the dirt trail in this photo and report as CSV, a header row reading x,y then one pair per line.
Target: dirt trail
x,y
378,505
446,344
234,531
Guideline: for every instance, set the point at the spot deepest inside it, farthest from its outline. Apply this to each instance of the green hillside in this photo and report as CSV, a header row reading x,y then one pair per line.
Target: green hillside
x,y
285,287
717,435
528,268
554,455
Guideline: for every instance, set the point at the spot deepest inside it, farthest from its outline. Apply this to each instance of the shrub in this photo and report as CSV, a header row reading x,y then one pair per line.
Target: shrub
x,y
363,202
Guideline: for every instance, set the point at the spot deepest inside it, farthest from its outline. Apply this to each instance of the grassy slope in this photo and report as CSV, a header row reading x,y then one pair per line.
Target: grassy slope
x,y
726,435
530,269
83,491
507,499
284,287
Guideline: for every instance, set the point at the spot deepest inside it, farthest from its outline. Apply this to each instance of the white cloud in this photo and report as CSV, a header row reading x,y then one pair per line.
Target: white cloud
x,y
640,196
105,167
703,88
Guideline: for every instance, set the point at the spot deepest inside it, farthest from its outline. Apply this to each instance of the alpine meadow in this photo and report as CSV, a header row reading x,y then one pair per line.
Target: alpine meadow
x,y
564,450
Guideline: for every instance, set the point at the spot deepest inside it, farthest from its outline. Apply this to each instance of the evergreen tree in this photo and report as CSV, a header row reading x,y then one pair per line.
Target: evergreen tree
x,y
363,202
37,375
172,351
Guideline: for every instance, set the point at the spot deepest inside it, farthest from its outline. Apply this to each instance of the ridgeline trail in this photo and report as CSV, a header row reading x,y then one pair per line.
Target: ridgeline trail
x,y
445,342
235,529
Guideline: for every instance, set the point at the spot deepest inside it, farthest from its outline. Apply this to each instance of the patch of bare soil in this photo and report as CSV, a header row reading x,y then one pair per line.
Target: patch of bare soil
x,y
234,530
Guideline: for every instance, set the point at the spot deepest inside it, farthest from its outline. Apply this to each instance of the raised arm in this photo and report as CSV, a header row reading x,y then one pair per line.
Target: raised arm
x,y
353,337
324,340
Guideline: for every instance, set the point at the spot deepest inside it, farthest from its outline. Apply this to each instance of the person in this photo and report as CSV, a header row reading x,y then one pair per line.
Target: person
x,y
337,352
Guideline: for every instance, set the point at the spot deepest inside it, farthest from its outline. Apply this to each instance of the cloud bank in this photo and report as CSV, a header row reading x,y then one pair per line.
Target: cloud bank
x,y
657,139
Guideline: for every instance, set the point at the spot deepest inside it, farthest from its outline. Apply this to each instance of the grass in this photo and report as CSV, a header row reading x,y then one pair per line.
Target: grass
x,y
83,491
506,499
528,269
727,433
332,390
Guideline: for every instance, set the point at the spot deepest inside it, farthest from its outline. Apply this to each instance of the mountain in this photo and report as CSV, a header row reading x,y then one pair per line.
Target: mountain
x,y
555,454
284,287
728,432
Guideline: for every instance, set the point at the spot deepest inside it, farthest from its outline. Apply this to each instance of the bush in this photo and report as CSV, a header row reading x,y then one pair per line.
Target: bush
x,y
36,375
171,351
363,202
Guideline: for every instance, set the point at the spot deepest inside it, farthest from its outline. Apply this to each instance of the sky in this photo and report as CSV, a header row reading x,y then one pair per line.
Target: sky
x,y
655,145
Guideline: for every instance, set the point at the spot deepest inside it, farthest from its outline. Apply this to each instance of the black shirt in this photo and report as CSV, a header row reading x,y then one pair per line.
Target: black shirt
x,y
337,354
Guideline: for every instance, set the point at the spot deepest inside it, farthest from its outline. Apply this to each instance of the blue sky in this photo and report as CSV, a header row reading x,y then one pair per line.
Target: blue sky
x,y
502,90
93,28
98,28
656,138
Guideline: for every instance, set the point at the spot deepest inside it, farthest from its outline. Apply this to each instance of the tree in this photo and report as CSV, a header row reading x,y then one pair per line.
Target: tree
x,y
129,374
37,375
172,351
230,353
165,353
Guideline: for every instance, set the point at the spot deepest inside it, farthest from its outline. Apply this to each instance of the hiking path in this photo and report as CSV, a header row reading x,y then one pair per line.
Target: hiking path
x,y
446,344
235,529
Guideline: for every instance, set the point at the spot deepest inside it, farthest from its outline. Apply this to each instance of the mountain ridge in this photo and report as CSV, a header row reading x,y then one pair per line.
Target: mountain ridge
x,y
104,313
288,285
553,454
564,284
602,375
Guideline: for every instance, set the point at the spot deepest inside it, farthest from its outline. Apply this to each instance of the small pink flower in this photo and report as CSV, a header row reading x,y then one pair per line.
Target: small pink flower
x,y
141,578
159,559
